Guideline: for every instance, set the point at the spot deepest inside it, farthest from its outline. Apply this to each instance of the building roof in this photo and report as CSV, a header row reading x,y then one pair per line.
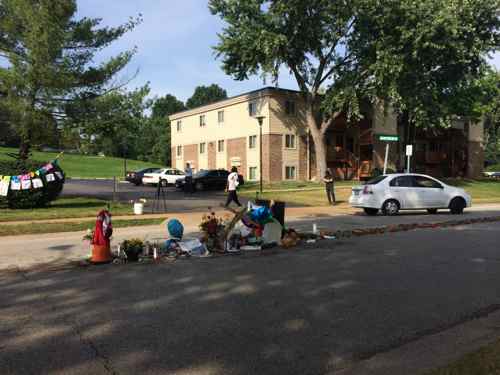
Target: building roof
x,y
250,95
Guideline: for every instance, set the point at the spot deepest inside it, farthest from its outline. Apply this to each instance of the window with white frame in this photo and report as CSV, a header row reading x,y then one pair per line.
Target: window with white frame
x,y
252,173
179,150
179,126
290,107
220,117
252,141
202,121
202,148
289,141
290,173
220,146
252,109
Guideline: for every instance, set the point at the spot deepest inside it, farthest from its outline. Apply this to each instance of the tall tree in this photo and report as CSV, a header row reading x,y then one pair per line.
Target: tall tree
x,y
49,56
337,59
206,95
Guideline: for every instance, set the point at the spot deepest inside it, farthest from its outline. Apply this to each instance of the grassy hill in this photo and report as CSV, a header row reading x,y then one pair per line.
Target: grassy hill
x,y
85,166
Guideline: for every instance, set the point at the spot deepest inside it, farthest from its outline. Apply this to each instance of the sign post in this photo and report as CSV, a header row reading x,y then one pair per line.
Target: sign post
x,y
388,139
409,153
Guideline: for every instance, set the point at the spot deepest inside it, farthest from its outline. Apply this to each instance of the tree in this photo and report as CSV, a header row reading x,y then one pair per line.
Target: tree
x,y
205,95
343,52
50,65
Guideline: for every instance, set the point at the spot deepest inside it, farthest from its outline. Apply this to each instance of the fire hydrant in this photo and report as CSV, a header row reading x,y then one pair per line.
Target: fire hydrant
x,y
101,250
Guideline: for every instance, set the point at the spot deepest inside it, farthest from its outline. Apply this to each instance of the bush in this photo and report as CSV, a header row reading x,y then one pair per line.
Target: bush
x,y
33,198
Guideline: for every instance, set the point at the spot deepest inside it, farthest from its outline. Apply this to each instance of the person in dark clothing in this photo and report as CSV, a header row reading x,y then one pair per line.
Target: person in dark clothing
x,y
330,192
232,184
188,186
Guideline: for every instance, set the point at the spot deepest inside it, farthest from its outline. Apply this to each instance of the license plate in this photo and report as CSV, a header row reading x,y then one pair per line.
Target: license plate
x,y
356,193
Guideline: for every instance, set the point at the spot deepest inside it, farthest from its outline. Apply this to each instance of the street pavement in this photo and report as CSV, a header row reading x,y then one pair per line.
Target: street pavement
x,y
60,248
176,201
311,310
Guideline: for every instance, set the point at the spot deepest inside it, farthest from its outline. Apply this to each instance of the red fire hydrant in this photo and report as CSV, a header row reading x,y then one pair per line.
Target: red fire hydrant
x,y
101,250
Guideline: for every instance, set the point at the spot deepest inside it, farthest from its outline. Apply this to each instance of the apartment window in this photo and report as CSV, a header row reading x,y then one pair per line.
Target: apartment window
x,y
290,107
252,141
202,148
220,117
202,121
179,150
252,173
252,109
289,141
179,126
220,146
290,173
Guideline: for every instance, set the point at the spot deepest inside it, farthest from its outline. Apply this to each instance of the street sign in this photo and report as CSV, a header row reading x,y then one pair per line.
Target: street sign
x,y
409,150
388,138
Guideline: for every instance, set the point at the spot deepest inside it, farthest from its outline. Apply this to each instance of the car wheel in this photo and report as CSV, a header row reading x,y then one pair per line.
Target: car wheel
x,y
457,206
164,183
432,211
199,186
390,207
370,211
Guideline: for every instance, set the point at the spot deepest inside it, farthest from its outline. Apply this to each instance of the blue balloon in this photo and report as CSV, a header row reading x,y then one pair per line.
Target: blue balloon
x,y
175,229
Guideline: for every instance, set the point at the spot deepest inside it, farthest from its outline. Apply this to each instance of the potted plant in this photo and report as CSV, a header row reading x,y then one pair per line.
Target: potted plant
x,y
132,249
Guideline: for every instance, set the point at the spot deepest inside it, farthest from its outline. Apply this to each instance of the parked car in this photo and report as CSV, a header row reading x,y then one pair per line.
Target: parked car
x,y
492,174
135,177
213,179
394,192
164,176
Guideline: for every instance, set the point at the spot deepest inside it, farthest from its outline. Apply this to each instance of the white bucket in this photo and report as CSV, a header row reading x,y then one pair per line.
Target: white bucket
x,y
138,208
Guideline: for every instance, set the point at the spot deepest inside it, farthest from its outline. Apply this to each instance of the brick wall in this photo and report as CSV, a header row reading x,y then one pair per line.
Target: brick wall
x,y
172,156
211,155
303,157
191,154
272,157
237,148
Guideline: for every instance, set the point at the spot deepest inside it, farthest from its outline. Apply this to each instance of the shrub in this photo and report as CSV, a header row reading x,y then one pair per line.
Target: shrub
x,y
33,198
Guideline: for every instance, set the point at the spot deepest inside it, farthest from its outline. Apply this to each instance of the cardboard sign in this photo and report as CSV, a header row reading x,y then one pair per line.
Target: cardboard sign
x,y
15,185
25,184
37,183
50,177
4,187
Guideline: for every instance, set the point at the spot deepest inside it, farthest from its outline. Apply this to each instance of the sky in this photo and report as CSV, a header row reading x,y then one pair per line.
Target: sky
x,y
174,44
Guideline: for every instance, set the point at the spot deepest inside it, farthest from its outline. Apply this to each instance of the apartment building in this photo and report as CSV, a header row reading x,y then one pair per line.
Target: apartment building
x,y
226,134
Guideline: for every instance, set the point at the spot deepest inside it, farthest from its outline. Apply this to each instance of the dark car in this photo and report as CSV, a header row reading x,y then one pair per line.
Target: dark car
x,y
213,179
135,177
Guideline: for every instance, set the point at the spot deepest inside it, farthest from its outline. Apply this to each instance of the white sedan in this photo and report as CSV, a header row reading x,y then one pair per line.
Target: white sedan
x,y
165,176
394,192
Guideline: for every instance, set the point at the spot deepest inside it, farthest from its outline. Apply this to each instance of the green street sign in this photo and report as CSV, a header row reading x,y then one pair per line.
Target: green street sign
x,y
388,138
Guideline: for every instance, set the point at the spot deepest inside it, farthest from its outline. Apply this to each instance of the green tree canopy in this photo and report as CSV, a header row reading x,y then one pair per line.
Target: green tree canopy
x,y
206,95
413,54
49,63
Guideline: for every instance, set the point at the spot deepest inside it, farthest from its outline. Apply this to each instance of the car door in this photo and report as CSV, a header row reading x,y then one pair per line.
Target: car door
x,y
402,189
169,176
222,180
431,191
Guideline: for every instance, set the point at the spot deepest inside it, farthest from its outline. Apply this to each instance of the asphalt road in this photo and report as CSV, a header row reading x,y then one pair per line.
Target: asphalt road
x,y
306,311
176,201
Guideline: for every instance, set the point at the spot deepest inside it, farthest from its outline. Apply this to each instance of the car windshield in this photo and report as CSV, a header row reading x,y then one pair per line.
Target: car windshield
x,y
201,174
375,181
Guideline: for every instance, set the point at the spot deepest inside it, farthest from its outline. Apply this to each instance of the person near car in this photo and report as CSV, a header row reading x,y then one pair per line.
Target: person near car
x,y
329,186
232,185
188,172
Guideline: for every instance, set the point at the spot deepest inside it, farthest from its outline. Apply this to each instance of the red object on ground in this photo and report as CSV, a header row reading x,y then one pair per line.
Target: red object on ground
x,y
101,250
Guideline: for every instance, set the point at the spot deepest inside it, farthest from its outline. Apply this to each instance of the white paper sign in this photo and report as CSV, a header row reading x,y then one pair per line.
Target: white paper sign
x,y
59,175
26,184
15,185
4,188
409,150
37,183
50,177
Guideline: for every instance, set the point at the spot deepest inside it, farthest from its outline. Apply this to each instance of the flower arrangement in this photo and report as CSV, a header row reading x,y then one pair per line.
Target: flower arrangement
x,y
132,248
211,224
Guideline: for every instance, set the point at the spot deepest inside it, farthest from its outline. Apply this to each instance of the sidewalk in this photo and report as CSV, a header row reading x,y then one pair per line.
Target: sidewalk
x,y
20,252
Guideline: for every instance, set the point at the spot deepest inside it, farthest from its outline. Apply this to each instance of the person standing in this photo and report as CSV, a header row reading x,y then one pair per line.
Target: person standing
x,y
330,192
188,187
232,185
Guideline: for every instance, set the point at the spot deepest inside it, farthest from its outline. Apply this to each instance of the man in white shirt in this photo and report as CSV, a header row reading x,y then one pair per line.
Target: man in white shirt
x,y
232,185
188,172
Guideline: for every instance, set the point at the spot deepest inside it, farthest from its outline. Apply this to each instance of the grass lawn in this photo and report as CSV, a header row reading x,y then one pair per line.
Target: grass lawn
x,y
482,191
494,168
85,166
485,361
39,228
65,208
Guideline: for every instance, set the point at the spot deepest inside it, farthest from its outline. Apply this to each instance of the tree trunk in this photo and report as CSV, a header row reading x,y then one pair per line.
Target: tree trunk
x,y
319,143
24,149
